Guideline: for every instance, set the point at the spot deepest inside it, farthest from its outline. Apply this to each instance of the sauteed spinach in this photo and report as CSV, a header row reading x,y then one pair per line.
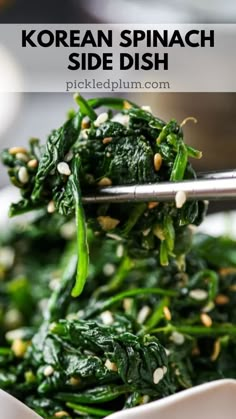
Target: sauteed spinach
x,y
154,317
138,332
91,151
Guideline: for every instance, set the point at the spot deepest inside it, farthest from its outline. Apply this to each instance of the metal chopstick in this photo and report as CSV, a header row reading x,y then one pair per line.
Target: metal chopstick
x,y
212,186
227,174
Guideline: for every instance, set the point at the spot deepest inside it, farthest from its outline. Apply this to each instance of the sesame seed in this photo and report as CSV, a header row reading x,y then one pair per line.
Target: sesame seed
x,y
63,168
167,351
85,123
145,399
127,304
15,150
198,294
74,381
19,347
51,207
120,250
7,256
103,117
111,366
146,232
152,205
221,299
227,271
158,375
48,370
68,230
121,119
107,318
146,108
107,140
23,175
167,313
177,338
32,164
113,236
210,306
13,319
157,161
22,157
107,223
69,156
14,334
105,181
206,320
180,199
216,350
108,269
61,414
143,314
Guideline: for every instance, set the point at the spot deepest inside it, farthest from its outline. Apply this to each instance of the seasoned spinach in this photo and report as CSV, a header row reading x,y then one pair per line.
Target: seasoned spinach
x,y
148,323
90,151
139,331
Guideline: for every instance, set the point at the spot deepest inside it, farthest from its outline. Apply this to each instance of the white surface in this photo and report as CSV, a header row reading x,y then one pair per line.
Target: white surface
x,y
11,408
216,400
8,195
153,11
219,224
9,102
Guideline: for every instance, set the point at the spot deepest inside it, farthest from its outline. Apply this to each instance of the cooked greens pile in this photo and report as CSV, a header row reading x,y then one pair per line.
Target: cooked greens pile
x,y
138,332
155,316
90,151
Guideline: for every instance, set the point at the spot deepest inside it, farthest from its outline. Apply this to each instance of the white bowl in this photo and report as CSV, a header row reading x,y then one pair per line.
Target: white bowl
x,y
215,400
11,408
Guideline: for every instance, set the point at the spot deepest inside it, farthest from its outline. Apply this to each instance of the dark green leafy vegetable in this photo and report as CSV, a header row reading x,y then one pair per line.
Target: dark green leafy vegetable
x,y
92,150
141,329
100,353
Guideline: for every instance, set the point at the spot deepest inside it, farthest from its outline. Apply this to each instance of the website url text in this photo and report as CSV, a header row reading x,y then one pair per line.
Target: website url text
x,y
115,85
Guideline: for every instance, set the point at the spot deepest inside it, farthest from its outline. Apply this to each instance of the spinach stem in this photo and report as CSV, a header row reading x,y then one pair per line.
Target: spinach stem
x,y
85,108
197,330
82,243
90,410
111,102
99,306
